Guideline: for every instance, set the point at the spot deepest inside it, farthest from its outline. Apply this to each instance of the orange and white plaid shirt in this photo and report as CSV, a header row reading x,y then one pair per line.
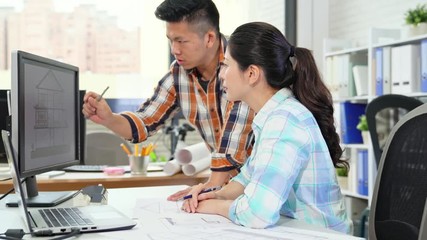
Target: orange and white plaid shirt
x,y
224,126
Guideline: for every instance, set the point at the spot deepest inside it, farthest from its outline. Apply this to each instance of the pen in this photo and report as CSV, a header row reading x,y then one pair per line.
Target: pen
x,y
102,94
203,191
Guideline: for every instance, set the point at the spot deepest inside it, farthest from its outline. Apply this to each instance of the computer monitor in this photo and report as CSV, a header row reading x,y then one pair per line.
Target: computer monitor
x,y
124,104
4,122
82,129
45,121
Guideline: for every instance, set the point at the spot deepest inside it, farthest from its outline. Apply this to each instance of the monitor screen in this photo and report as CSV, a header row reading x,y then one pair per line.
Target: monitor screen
x,y
4,114
45,115
124,104
82,128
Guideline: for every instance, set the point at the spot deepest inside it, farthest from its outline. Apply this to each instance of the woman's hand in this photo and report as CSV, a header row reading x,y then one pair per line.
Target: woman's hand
x,y
190,205
179,195
214,206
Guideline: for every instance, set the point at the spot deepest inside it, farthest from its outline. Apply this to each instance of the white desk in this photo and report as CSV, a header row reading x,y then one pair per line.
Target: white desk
x,y
124,199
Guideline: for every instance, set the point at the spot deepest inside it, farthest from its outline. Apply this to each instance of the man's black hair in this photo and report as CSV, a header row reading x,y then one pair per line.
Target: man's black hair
x,y
202,14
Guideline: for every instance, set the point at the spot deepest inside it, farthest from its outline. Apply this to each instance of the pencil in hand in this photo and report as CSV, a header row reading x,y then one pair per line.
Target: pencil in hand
x,y
203,191
102,94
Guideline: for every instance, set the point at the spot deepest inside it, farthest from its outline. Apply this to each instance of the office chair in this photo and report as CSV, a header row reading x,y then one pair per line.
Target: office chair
x,y
103,148
400,191
388,101
373,116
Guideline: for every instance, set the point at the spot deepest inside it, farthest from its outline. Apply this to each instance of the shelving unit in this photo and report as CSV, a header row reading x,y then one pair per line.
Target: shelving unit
x,y
334,48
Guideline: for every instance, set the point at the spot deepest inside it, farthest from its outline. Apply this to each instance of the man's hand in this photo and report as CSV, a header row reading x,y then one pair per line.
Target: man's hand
x,y
96,108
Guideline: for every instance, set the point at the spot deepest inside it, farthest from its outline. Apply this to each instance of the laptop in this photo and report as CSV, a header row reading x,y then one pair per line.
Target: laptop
x,y
51,221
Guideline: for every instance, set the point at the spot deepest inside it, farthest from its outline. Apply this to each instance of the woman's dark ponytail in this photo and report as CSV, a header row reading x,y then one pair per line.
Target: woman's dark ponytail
x,y
286,66
310,90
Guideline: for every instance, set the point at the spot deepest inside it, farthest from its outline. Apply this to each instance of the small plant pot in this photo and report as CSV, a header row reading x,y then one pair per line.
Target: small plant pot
x,y
366,137
343,182
412,31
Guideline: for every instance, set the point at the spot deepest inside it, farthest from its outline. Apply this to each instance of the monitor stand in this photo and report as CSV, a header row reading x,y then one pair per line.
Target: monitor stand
x,y
44,199
39,199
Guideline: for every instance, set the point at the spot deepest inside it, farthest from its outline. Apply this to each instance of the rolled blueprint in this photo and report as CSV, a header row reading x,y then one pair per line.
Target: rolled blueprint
x,y
192,153
172,168
196,166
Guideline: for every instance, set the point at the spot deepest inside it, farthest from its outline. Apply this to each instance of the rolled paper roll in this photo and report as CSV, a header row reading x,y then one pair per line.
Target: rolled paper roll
x,y
196,166
172,167
193,153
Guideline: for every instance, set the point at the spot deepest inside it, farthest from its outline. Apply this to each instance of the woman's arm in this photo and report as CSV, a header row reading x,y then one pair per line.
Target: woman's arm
x,y
227,194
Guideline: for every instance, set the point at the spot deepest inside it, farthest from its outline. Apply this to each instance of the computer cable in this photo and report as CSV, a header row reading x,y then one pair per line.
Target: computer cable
x,y
12,234
17,234
74,232
7,193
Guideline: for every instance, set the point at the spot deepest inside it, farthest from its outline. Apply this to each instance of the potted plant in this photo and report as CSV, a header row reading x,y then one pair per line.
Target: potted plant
x,y
363,127
342,176
416,20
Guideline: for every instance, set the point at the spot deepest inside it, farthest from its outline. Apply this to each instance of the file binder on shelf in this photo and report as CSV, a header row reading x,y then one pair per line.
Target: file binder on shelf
x,y
362,172
379,72
424,66
405,73
350,113
360,75
342,68
386,70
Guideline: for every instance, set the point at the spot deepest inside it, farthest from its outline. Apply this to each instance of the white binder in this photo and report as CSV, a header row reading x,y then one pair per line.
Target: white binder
x,y
405,69
386,70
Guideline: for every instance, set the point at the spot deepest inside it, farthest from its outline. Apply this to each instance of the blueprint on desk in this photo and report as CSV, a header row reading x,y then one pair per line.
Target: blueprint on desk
x,y
160,219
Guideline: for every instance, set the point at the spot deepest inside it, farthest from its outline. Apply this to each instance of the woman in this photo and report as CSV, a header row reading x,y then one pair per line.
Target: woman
x,y
291,170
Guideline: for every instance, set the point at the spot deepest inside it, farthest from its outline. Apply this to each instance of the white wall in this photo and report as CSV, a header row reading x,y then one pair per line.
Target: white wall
x,y
312,26
234,13
352,19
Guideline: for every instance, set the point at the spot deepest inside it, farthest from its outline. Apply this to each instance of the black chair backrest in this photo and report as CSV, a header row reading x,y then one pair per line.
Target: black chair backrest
x,y
400,189
392,101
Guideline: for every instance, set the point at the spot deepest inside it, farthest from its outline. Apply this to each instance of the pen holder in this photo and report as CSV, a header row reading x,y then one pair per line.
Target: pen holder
x,y
138,164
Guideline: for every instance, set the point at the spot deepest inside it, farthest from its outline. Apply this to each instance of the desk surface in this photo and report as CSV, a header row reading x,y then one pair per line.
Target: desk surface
x,y
125,199
78,180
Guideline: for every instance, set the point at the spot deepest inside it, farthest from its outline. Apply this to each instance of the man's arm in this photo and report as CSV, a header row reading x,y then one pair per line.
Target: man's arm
x,y
153,114
218,178
236,142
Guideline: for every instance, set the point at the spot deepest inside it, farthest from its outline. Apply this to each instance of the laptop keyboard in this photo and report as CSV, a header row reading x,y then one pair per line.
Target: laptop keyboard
x,y
62,217
85,168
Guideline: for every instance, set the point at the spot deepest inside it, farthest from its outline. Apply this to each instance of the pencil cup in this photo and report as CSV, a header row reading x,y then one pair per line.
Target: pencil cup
x,y
138,164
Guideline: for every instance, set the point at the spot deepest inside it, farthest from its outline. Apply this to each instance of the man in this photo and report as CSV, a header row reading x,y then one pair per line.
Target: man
x,y
192,86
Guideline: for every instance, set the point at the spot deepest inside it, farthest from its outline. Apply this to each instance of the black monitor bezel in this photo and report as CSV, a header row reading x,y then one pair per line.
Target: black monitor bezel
x,y
18,109
4,113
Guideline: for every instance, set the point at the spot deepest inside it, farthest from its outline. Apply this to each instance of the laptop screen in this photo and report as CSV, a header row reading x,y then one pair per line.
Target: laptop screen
x,y
16,179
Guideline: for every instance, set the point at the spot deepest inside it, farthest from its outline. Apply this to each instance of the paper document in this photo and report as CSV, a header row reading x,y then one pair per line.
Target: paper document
x,y
160,219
